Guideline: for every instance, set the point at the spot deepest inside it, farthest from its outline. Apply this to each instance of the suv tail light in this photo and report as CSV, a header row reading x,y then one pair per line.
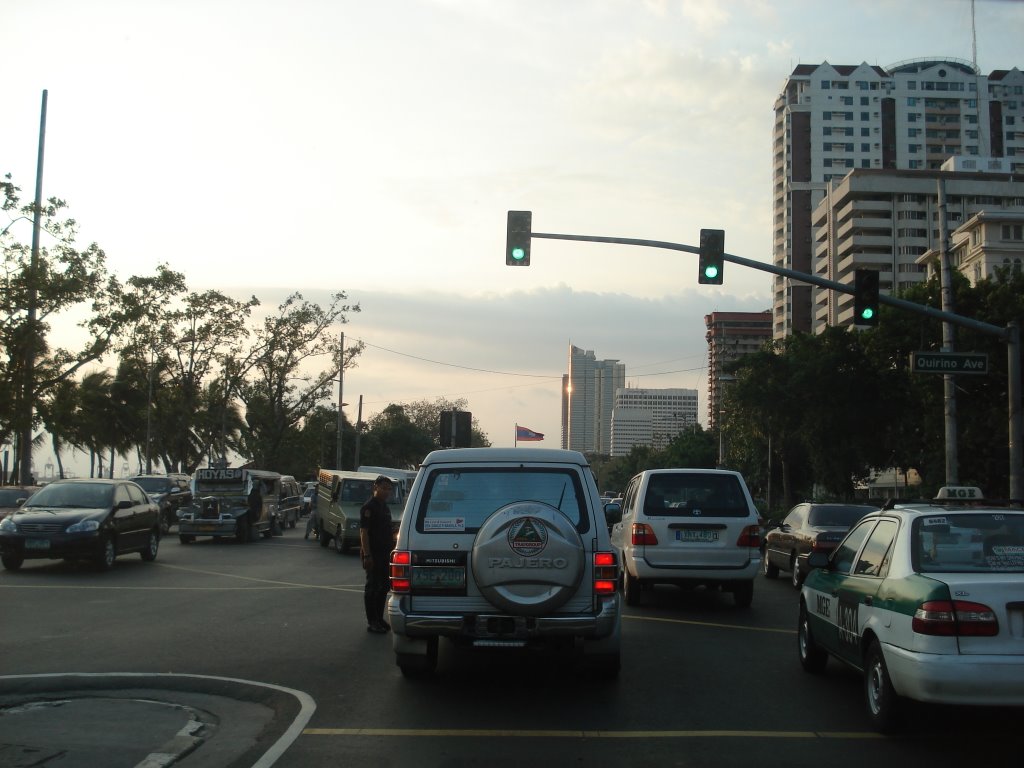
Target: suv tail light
x,y
955,618
751,537
643,535
606,573
401,571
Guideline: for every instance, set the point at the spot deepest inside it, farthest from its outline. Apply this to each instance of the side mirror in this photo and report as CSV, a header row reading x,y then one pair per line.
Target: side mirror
x,y
125,504
818,560
612,513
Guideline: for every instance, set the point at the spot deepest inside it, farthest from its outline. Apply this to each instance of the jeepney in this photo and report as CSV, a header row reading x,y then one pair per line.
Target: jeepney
x,y
221,501
340,496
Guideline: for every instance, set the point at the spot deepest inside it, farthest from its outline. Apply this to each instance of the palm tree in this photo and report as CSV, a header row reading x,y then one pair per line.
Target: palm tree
x,y
60,415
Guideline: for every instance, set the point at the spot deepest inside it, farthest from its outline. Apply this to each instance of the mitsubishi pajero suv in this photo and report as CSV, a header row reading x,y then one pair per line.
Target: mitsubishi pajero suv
x,y
504,547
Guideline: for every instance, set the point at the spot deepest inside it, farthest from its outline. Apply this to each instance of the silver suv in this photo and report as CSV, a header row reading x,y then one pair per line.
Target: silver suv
x,y
689,527
504,547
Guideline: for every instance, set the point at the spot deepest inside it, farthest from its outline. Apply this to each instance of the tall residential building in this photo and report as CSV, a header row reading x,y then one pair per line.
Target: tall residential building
x,y
831,119
889,220
588,397
731,335
650,417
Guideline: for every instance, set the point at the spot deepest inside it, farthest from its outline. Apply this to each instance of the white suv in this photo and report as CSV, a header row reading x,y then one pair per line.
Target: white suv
x,y
688,527
504,547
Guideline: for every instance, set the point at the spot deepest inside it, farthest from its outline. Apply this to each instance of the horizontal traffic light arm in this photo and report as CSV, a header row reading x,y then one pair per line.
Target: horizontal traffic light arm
x,y
802,277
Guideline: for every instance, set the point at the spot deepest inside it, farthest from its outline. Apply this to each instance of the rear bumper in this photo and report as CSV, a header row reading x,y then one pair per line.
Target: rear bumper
x,y
498,626
207,527
956,679
695,574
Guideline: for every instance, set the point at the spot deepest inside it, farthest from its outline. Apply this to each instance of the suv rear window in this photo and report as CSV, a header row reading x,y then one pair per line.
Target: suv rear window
x,y
461,499
693,494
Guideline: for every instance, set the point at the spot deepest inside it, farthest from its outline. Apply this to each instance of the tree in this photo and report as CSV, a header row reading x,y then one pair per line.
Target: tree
x,y
285,345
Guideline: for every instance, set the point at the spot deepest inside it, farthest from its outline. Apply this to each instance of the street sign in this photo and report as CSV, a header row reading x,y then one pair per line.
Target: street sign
x,y
948,362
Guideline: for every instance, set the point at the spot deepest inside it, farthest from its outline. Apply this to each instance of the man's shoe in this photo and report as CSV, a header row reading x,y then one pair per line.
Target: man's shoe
x,y
377,629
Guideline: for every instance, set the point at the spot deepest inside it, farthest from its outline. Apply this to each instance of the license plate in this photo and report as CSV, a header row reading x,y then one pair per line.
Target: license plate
x,y
207,527
37,543
698,535
427,577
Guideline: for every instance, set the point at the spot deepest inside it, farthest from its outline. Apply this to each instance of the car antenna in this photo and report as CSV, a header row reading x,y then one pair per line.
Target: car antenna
x,y
890,503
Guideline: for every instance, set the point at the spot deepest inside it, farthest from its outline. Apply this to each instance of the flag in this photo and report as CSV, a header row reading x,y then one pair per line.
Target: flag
x,y
522,433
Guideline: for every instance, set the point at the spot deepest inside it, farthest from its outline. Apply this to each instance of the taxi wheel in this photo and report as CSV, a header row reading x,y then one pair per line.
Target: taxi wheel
x,y
880,696
813,658
12,562
768,568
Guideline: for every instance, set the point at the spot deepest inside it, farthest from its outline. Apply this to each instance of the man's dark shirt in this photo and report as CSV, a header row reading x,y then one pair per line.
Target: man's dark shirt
x,y
376,518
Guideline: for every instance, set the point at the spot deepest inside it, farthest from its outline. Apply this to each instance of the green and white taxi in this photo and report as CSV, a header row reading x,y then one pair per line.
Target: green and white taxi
x,y
927,600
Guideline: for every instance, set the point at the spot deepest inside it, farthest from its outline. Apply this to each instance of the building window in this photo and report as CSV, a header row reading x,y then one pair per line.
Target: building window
x,y
825,85
1013,232
865,147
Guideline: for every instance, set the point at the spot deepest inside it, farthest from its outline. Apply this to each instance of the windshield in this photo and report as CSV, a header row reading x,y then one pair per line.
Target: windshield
x,y
92,495
470,496
153,484
355,491
836,516
969,542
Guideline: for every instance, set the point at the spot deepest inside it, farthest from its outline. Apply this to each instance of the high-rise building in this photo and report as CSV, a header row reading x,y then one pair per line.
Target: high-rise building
x,y
915,115
730,335
889,220
588,397
650,417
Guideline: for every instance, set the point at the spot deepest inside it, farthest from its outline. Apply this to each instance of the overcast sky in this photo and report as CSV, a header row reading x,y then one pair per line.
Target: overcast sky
x,y
375,147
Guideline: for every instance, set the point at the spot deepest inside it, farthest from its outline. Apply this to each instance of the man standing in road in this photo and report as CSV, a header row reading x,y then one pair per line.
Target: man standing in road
x,y
375,545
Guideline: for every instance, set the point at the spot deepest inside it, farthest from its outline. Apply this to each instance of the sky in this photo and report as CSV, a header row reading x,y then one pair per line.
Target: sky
x,y
320,146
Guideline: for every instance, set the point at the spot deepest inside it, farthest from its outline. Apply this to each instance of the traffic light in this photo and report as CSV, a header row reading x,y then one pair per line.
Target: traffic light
x,y
865,297
517,244
712,263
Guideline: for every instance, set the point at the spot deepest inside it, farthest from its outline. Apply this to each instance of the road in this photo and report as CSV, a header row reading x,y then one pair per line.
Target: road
x,y
702,682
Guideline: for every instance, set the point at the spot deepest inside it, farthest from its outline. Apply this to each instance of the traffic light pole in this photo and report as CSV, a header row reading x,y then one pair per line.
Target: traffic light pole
x,y
1010,334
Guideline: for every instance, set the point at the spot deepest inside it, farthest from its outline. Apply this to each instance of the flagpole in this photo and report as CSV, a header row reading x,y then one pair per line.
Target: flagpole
x,y
515,437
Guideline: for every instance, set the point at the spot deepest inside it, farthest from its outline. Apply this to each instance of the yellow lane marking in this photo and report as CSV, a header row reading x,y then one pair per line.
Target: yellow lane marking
x,y
710,624
541,734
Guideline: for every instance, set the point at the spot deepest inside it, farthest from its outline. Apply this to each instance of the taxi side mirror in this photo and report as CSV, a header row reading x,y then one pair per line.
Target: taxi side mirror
x,y
818,560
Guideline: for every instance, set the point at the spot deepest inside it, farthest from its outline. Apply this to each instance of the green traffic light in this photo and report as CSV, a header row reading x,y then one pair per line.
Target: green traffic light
x,y
518,254
711,272
867,313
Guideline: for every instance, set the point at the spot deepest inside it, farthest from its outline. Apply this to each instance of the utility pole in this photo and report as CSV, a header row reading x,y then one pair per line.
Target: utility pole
x,y
341,403
32,337
948,343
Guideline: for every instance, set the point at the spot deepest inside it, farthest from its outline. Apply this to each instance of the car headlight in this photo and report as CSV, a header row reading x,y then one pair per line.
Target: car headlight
x,y
7,524
84,526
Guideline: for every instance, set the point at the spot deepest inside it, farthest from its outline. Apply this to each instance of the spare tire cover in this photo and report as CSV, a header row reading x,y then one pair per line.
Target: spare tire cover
x,y
527,558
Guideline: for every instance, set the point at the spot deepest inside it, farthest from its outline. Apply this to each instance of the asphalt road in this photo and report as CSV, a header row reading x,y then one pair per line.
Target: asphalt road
x,y
264,646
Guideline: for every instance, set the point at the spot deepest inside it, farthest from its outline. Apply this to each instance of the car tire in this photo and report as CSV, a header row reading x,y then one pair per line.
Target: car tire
x,y
322,536
242,529
293,522
275,527
414,666
768,568
630,588
813,658
743,594
795,578
12,562
339,542
883,704
152,547
186,538
108,553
